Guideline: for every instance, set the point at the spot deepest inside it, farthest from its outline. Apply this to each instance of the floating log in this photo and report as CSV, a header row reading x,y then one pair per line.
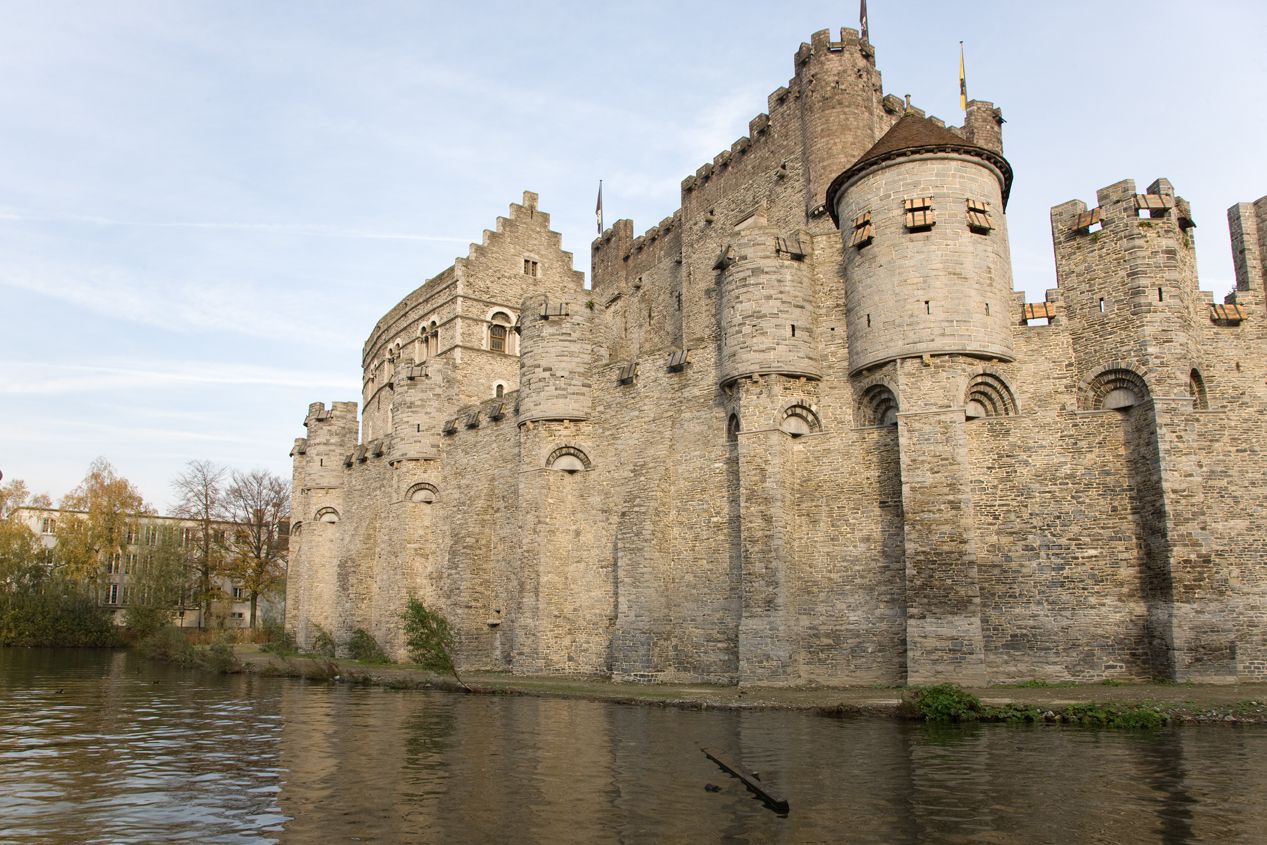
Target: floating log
x,y
772,799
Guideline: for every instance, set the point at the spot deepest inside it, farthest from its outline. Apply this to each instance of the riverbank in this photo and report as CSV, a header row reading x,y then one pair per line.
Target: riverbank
x,y
1082,703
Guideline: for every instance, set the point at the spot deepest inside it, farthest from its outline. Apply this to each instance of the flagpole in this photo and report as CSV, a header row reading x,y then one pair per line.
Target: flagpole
x,y
598,208
963,82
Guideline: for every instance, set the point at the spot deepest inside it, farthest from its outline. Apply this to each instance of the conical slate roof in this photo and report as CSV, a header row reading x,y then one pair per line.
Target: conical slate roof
x,y
912,135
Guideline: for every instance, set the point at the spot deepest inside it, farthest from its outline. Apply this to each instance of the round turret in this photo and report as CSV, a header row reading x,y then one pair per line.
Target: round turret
x,y
767,309
927,266
839,95
555,352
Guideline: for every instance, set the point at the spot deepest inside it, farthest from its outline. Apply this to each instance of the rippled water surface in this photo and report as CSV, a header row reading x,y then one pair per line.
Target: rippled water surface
x,y
99,746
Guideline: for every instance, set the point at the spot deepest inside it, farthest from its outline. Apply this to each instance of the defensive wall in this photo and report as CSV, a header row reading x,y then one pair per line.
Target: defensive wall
x,y
803,429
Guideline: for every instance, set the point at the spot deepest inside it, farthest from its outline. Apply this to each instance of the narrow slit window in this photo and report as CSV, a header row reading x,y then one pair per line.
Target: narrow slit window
x,y
868,321
919,214
863,231
928,306
794,330
1161,295
1101,305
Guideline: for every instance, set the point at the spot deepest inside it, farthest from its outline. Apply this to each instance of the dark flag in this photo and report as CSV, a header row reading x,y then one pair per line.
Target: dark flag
x,y
862,19
598,208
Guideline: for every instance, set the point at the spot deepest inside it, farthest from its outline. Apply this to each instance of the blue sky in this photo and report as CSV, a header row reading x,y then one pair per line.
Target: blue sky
x,y
205,207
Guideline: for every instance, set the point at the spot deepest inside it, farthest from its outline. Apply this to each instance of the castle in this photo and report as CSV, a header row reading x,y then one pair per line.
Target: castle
x,y
804,430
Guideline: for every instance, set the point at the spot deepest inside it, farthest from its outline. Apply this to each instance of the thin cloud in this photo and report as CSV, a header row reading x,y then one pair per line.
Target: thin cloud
x,y
300,229
199,306
37,378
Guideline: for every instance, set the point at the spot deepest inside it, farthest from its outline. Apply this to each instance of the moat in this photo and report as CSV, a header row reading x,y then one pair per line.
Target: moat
x,y
99,746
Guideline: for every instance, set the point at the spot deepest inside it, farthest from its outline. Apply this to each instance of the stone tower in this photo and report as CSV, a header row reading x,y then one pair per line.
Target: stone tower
x,y
928,294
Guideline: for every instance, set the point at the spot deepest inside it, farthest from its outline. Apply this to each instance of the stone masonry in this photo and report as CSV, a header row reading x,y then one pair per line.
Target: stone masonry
x,y
804,431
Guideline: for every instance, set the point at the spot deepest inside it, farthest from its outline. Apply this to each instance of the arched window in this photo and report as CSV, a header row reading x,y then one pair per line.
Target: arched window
x,y
499,390
988,396
732,428
422,493
498,331
878,406
329,516
1115,390
433,340
568,459
798,419
1196,389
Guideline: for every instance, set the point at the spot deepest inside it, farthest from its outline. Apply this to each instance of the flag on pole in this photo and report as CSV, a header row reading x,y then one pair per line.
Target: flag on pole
x,y
963,82
862,20
598,208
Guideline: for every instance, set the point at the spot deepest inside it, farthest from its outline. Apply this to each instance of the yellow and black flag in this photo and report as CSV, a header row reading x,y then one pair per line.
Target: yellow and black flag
x,y
963,82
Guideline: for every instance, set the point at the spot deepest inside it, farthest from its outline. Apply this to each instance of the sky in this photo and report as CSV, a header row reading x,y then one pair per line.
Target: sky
x,y
206,206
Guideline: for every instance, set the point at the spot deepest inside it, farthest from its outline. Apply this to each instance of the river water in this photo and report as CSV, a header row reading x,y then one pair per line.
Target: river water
x,y
100,746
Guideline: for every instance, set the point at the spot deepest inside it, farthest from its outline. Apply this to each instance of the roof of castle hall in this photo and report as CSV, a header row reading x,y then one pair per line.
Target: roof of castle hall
x,y
913,135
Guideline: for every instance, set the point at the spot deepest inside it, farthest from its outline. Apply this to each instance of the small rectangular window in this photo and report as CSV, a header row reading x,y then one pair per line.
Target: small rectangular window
x,y
1161,296
1101,305
1153,205
1089,221
919,213
531,267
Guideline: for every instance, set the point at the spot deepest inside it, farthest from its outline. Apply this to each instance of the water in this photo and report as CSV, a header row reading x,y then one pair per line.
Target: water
x,y
102,747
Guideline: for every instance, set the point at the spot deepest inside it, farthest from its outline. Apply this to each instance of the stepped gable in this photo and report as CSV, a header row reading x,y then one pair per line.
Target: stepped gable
x,y
912,135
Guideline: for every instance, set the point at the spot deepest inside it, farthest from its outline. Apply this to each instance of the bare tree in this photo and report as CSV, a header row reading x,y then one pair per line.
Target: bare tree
x,y
200,498
259,503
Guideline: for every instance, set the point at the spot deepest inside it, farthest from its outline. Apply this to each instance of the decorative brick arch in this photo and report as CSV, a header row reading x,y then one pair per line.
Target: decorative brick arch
x,y
1116,387
877,405
798,417
568,459
326,515
422,493
987,394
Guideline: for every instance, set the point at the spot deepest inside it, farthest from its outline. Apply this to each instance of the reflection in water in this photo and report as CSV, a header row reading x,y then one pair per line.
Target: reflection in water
x,y
99,747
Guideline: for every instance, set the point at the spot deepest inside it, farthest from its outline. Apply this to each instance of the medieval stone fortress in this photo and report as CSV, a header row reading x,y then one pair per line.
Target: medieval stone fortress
x,y
804,431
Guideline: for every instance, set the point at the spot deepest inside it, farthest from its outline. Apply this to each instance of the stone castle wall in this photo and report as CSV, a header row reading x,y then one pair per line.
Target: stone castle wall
x,y
752,453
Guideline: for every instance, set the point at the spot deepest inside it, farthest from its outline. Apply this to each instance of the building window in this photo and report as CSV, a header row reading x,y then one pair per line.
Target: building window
x,y
113,598
499,332
531,267
863,232
499,391
919,213
238,594
48,525
979,217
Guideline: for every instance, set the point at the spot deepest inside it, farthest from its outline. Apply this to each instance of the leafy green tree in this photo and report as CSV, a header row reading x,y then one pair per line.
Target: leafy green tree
x,y
429,639
39,605
97,519
156,583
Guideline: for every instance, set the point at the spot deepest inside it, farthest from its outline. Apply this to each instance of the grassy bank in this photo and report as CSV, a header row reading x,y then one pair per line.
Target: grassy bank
x,y
1139,706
